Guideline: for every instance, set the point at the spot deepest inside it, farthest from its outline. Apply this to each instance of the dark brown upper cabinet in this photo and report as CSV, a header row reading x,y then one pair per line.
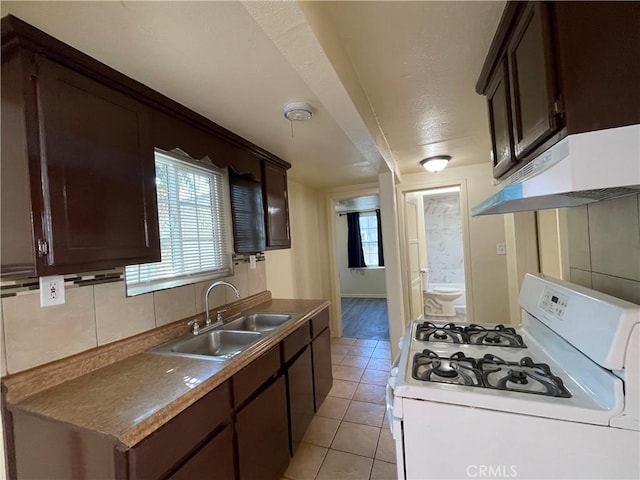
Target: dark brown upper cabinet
x,y
87,158
532,79
499,105
276,206
564,68
78,176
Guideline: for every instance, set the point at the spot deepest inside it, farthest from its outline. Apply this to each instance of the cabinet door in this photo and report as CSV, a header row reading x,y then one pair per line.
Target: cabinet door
x,y
274,179
322,376
214,461
247,213
532,81
263,437
500,122
301,398
97,175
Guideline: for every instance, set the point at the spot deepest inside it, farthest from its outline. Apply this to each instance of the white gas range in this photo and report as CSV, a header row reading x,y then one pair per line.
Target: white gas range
x,y
555,397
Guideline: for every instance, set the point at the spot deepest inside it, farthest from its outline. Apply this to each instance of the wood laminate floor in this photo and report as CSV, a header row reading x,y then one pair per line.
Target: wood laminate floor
x,y
365,318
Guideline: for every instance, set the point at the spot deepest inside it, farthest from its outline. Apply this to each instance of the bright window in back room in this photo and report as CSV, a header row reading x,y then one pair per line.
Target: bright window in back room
x,y
195,227
369,236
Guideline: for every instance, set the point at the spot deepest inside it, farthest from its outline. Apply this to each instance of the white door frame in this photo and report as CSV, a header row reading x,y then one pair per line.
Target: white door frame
x,y
403,190
333,196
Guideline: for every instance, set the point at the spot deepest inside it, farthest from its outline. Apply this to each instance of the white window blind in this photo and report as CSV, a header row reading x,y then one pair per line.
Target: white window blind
x,y
369,237
194,221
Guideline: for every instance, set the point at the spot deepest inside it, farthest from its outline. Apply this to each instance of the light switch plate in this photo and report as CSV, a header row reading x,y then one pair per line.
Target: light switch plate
x,y
501,249
51,290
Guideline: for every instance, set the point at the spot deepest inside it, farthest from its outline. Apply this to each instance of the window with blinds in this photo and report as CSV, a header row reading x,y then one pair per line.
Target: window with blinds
x,y
194,221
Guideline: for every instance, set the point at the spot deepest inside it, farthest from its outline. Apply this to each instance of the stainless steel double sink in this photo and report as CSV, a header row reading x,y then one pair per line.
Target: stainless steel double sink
x,y
226,341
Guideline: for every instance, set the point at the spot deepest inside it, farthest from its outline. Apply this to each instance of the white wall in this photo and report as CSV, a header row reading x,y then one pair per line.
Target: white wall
x,y
302,272
356,282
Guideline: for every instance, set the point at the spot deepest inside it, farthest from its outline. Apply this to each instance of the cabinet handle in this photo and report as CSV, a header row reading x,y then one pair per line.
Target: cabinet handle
x,y
43,247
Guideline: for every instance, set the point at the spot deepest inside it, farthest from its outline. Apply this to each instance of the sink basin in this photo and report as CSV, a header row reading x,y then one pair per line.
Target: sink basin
x,y
214,344
257,322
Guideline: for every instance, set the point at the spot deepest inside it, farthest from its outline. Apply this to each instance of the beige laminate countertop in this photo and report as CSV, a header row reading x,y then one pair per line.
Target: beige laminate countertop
x,y
132,398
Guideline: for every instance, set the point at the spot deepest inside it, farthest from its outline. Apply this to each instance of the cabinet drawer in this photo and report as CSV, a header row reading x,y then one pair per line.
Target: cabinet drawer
x,y
251,377
319,322
214,461
295,342
171,443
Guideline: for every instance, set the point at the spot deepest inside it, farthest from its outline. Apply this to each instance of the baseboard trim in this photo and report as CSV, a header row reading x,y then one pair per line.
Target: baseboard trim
x,y
363,295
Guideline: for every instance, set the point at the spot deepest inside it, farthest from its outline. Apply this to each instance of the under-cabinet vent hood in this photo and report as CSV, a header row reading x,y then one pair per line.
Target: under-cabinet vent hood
x,y
580,169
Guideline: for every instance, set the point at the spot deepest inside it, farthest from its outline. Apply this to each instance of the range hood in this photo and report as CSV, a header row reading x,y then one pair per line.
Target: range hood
x,y
580,169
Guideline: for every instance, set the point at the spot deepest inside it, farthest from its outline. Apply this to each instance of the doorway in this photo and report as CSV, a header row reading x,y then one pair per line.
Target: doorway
x,y
361,287
436,245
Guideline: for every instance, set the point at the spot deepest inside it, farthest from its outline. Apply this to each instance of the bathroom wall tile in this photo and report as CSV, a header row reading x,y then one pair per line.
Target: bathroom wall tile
x,y
217,297
258,278
628,290
614,234
444,239
578,233
174,304
580,277
240,279
36,335
119,316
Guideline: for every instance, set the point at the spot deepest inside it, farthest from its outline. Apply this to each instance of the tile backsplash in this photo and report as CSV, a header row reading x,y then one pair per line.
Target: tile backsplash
x,y
97,311
604,247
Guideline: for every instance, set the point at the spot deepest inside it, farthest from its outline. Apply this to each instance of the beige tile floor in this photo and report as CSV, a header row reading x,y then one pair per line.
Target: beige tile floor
x,y
348,438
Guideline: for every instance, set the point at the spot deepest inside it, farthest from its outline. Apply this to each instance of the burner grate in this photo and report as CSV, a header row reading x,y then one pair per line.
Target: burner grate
x,y
449,333
498,336
457,369
524,376
490,371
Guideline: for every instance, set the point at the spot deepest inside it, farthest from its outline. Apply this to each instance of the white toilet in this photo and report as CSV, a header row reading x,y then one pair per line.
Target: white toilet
x,y
438,301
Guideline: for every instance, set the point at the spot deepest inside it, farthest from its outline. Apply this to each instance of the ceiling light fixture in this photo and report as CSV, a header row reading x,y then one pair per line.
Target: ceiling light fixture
x,y
435,164
297,111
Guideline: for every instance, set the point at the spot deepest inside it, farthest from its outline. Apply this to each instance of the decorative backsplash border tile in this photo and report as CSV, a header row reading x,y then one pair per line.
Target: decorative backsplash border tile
x,y
239,258
23,286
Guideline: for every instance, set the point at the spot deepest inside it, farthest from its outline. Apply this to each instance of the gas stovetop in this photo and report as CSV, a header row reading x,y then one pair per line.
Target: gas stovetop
x,y
472,334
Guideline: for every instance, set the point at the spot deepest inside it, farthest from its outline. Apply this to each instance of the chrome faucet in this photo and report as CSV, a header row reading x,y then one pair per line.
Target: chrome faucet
x,y
206,300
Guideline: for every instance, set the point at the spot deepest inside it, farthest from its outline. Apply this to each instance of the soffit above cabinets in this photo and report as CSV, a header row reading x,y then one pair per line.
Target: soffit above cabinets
x,y
395,85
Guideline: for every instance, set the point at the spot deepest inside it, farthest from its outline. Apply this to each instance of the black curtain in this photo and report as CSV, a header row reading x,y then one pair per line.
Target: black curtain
x,y
354,241
380,249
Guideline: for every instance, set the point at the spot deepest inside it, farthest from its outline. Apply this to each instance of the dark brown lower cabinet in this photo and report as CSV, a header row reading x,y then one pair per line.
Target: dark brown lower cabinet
x,y
322,375
262,434
214,461
269,403
47,449
300,396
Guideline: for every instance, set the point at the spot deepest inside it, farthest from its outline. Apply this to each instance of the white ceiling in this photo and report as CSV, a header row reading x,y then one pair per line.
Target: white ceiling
x,y
390,82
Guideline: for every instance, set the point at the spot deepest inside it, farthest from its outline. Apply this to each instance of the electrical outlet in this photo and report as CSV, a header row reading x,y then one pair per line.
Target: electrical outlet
x,y
252,262
51,290
501,249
